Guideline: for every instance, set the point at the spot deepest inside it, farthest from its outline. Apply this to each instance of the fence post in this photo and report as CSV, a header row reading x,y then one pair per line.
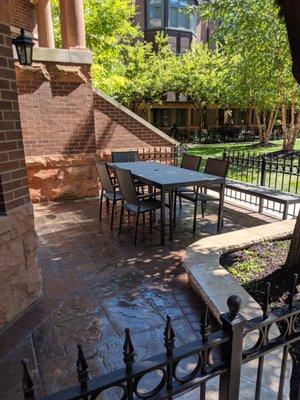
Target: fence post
x,y
233,324
262,181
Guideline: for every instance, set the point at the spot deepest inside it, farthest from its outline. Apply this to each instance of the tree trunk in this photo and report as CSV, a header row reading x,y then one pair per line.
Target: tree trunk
x,y
265,128
290,131
292,264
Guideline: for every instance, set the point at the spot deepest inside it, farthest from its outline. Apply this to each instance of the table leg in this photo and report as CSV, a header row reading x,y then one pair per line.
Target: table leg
x,y
162,216
221,207
171,213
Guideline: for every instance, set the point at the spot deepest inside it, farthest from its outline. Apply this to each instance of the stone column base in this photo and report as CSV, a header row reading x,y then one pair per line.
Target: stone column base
x,y
20,278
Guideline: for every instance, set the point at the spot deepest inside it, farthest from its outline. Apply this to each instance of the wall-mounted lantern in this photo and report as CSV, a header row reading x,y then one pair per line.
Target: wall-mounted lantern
x,y
24,45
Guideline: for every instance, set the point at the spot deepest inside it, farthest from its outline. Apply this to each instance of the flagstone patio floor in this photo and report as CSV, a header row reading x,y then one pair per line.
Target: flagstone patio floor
x,y
96,283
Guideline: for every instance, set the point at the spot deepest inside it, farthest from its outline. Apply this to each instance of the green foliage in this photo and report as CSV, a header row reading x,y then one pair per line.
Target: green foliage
x,y
124,65
255,42
200,75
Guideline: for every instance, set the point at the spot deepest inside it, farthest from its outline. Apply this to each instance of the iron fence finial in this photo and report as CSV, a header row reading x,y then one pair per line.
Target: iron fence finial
x,y
82,368
128,351
169,337
234,305
28,385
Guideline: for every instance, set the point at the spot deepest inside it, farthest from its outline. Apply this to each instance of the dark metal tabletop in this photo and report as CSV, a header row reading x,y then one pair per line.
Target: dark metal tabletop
x,y
167,176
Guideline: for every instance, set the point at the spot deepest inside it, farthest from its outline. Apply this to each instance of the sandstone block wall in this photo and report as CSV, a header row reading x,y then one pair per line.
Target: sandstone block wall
x,y
20,277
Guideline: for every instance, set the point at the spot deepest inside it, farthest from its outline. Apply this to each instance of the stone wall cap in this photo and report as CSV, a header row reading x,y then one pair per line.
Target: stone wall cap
x,y
211,281
72,56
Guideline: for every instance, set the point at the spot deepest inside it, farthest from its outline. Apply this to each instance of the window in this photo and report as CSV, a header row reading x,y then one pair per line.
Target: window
x,y
177,16
161,117
155,14
239,117
181,118
196,117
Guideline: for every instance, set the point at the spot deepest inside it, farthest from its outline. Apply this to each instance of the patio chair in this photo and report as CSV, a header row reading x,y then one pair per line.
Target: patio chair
x,y
214,167
108,190
128,156
124,156
137,204
192,163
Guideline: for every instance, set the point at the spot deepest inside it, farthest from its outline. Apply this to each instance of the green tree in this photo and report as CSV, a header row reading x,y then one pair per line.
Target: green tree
x,y
124,66
200,74
254,41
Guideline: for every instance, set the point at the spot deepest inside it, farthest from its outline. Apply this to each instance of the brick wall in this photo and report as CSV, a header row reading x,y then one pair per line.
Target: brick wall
x,y
12,164
57,114
66,126
118,128
22,14
20,278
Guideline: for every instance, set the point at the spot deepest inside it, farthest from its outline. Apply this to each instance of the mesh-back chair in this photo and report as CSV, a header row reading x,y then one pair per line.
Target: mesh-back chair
x,y
191,162
109,191
217,167
124,156
133,202
127,156
214,167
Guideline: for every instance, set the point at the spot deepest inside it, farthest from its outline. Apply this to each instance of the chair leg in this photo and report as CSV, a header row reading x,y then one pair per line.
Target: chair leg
x,y
175,199
170,213
150,220
195,217
112,214
202,209
128,217
180,203
144,219
121,218
100,205
107,206
136,227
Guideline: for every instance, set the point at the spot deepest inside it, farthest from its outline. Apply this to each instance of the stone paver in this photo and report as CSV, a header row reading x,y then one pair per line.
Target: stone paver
x,y
96,284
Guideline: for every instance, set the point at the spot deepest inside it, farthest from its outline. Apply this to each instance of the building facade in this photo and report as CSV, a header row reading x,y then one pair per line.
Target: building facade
x,y
176,115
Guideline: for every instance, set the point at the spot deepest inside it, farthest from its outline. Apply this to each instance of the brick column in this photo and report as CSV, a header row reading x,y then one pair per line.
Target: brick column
x,y
45,24
72,24
12,160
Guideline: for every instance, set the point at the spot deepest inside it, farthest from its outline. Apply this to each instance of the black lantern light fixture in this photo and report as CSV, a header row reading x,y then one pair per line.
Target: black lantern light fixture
x,y
24,45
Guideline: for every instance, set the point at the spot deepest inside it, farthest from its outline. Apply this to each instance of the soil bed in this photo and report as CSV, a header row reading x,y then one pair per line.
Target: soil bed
x,y
259,264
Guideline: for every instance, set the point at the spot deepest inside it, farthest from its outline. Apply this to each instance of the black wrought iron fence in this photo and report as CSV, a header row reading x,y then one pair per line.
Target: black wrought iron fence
x,y
219,354
167,155
273,170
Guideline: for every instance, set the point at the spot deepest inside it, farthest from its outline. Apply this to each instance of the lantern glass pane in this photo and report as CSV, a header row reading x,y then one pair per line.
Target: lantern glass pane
x,y
21,49
29,54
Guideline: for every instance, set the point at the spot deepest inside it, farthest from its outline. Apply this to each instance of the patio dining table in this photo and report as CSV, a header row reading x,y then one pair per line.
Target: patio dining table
x,y
167,178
